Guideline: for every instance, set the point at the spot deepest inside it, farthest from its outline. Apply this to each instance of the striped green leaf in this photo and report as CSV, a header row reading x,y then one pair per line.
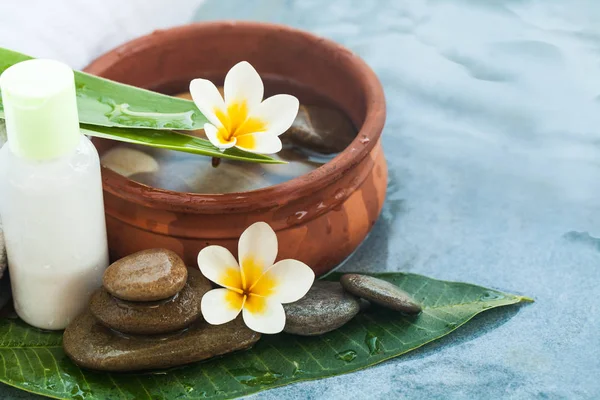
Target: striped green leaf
x,y
34,360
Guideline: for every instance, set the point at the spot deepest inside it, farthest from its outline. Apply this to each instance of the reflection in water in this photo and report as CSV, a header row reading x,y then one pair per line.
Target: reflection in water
x,y
184,172
318,134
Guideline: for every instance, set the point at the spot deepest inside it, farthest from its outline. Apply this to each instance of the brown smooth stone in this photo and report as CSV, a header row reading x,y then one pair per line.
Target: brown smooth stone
x,y
207,179
92,345
145,318
148,275
321,217
380,292
321,129
324,308
181,173
149,178
128,161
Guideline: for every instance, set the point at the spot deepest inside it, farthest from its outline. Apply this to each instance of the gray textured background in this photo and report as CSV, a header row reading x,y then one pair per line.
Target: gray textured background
x,y
493,145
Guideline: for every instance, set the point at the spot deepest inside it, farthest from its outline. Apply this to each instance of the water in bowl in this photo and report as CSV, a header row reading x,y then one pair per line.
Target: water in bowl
x,y
318,134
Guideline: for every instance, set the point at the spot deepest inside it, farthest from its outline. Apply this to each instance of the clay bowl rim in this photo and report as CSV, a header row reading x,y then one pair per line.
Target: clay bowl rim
x,y
270,196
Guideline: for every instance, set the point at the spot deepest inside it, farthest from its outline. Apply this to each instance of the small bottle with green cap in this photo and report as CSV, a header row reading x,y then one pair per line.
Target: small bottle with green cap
x,y
51,201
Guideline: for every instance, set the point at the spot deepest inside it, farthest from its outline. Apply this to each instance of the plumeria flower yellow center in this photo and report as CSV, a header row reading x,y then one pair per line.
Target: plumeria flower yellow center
x,y
257,286
242,119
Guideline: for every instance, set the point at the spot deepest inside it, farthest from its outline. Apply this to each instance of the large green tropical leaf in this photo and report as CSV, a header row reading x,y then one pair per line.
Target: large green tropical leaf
x,y
126,113
34,360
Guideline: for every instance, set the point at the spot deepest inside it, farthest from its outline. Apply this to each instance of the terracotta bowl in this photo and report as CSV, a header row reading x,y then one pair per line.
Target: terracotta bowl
x,y
321,217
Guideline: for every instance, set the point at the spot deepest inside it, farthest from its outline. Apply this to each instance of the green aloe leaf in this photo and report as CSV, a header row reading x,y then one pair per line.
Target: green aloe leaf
x,y
103,102
174,141
34,360
126,113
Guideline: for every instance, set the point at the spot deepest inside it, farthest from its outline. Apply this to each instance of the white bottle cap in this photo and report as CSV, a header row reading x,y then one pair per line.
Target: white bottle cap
x,y
40,107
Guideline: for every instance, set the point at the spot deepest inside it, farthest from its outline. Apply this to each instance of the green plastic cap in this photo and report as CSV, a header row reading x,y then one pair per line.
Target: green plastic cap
x,y
40,108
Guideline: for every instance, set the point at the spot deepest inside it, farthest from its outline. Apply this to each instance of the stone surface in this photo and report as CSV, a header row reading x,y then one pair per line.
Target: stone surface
x,y
325,308
364,304
185,172
154,317
188,172
147,275
380,292
175,183
92,345
320,129
128,161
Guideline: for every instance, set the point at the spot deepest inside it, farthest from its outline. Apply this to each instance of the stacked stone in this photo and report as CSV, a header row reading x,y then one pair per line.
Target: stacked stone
x,y
149,292
147,315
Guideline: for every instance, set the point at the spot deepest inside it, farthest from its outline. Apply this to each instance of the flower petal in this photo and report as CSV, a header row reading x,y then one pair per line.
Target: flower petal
x,y
257,251
243,83
218,264
259,142
207,98
287,281
263,315
278,111
220,306
212,133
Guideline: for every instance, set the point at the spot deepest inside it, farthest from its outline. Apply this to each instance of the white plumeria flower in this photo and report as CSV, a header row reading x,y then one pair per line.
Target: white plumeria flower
x,y
242,119
256,286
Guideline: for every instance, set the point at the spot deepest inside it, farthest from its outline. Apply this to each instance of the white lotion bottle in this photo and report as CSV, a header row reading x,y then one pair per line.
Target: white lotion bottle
x,y
51,201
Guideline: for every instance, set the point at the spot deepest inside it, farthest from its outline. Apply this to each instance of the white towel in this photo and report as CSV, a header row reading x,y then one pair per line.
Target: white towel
x,y
78,31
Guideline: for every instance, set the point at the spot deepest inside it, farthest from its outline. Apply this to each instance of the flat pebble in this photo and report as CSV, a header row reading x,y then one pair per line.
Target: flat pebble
x,y
325,308
380,292
92,345
321,129
127,161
